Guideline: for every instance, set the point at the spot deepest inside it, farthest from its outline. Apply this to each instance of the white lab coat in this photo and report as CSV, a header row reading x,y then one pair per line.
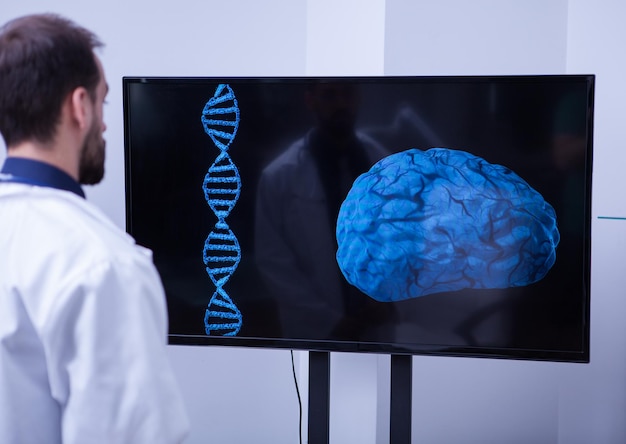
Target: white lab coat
x,y
83,328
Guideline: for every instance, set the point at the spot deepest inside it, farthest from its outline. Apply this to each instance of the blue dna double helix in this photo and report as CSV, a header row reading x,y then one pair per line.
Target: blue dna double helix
x,y
221,186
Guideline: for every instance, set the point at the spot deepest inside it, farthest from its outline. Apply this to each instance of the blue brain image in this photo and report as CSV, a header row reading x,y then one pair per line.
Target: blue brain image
x,y
423,222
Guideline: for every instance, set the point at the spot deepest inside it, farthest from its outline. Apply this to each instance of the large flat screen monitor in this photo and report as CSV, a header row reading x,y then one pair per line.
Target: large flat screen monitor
x,y
403,215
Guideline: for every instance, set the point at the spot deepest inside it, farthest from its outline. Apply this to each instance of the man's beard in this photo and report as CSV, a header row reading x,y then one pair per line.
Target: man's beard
x,y
91,166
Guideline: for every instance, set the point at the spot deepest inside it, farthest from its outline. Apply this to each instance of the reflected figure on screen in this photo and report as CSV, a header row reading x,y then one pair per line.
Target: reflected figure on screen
x,y
299,196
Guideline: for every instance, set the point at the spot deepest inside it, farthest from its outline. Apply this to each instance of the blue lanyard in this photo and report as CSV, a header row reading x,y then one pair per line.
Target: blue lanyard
x,y
33,172
10,178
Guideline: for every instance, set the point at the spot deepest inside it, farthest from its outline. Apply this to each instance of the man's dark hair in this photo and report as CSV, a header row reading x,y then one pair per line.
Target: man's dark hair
x,y
43,58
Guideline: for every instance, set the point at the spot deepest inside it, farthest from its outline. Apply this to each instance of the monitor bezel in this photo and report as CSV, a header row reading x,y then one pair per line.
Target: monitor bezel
x,y
578,356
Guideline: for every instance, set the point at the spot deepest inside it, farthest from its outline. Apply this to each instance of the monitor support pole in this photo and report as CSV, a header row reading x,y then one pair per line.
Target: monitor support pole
x,y
401,399
319,397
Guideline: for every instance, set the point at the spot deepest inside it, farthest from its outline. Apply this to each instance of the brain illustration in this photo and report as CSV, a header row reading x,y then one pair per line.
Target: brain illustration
x,y
424,222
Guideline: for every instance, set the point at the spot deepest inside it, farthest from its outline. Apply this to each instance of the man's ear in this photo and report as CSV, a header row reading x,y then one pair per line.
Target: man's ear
x,y
81,107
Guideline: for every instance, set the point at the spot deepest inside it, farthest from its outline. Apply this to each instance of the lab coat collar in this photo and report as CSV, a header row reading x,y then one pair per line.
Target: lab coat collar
x,y
33,172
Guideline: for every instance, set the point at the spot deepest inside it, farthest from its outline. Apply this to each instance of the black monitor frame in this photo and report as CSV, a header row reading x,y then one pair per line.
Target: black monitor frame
x,y
580,353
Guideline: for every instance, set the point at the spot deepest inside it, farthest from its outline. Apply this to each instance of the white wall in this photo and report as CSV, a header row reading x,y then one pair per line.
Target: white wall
x,y
593,397
453,37
242,395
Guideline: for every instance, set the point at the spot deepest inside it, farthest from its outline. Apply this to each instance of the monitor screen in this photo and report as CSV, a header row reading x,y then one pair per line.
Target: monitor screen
x,y
413,215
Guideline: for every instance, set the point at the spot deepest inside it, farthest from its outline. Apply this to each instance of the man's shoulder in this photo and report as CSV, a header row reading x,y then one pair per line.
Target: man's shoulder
x,y
63,222
55,240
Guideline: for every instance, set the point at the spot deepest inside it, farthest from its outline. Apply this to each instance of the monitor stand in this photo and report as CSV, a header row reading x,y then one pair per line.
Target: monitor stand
x,y
319,398
401,399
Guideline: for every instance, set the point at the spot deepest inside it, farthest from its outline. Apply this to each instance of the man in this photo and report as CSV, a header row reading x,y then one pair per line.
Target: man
x,y
83,321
